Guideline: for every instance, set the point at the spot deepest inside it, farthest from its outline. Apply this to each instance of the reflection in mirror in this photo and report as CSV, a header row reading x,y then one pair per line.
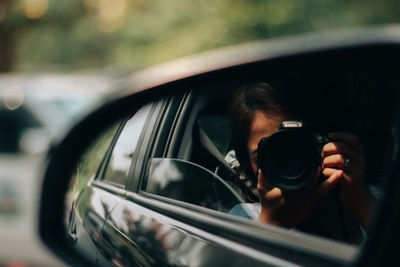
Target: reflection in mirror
x,y
84,224
305,150
191,183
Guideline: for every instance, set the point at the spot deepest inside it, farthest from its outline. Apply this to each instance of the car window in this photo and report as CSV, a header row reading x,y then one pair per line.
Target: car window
x,y
124,149
184,181
188,178
216,127
90,161
352,137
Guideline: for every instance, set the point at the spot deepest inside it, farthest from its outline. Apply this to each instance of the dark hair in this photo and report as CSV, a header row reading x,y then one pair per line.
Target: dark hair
x,y
247,100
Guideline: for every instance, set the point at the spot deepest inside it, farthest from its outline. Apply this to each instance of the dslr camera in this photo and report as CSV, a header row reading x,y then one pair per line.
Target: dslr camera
x,y
289,159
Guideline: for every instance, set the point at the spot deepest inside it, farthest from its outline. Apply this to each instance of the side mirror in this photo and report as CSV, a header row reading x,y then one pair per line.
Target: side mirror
x,y
160,181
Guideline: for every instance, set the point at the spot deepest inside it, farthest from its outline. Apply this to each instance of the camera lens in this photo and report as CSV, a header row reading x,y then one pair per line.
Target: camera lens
x,y
288,159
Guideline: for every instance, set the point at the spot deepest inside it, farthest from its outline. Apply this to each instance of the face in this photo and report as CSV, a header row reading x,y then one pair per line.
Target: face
x,y
262,125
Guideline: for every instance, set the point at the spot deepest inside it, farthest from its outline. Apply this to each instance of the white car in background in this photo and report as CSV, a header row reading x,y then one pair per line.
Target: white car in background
x,y
35,110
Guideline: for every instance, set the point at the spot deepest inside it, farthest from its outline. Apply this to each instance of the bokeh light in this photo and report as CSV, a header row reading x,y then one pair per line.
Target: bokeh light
x,y
35,9
13,97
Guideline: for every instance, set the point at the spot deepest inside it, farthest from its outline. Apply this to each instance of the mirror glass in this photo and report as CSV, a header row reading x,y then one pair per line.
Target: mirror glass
x,y
305,149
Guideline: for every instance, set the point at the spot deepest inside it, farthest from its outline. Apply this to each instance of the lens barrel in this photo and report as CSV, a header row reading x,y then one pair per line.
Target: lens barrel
x,y
289,159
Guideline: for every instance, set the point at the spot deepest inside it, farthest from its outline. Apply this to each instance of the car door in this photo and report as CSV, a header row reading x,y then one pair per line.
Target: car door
x,y
134,235
158,172
114,153
117,245
176,175
175,165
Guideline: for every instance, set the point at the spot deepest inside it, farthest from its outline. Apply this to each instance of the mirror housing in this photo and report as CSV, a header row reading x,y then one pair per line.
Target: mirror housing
x,y
220,69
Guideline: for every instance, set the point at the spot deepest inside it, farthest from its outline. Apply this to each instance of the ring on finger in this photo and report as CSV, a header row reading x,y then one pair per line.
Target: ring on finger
x,y
346,162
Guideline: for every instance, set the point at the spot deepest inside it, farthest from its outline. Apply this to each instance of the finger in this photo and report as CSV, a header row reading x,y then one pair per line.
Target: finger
x,y
333,179
262,183
268,194
348,138
336,160
332,148
275,195
330,171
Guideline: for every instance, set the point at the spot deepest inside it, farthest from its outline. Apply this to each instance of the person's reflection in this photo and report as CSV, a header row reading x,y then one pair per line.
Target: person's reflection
x,y
129,219
322,208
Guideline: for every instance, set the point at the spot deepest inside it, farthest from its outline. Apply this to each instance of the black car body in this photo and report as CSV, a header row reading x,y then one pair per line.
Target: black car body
x,y
115,224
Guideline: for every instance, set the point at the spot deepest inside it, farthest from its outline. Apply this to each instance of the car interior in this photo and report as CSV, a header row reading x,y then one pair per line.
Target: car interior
x,y
211,141
199,158
354,99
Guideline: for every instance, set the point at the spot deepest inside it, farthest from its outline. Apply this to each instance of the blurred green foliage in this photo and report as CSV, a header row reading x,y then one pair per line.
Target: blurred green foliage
x,y
90,161
132,34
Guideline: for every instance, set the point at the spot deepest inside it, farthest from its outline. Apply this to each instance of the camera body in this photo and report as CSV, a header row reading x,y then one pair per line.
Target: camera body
x,y
289,159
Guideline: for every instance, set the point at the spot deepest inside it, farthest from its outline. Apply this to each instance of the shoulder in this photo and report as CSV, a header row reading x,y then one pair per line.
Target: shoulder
x,y
246,210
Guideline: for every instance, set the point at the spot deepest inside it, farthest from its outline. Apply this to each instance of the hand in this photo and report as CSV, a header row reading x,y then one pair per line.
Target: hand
x,y
287,209
346,153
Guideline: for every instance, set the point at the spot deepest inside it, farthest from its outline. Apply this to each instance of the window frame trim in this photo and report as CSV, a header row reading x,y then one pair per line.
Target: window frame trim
x,y
145,140
151,138
107,156
269,240
100,173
